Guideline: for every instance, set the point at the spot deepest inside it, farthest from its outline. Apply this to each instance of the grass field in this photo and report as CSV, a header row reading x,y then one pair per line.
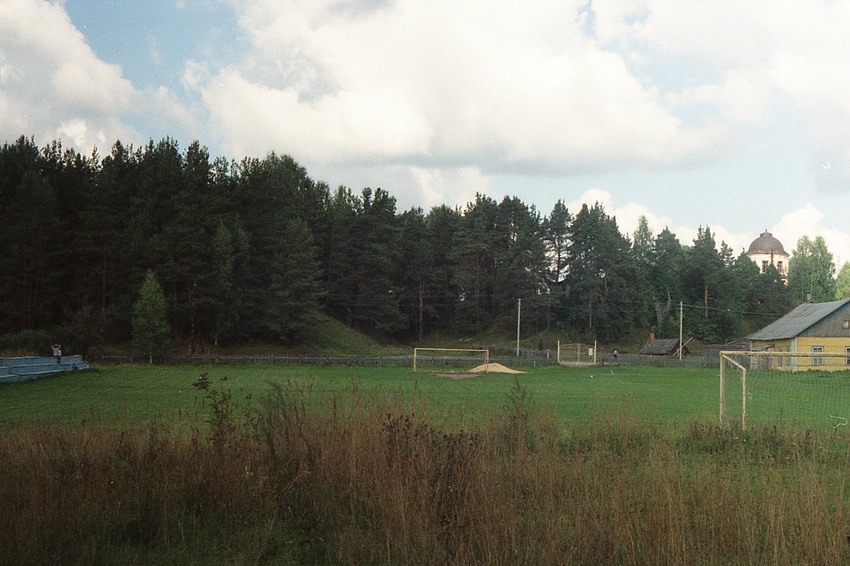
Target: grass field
x,y
145,393
807,399
298,465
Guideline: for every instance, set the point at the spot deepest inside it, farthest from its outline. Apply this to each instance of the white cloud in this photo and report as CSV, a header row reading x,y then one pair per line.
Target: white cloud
x,y
809,221
169,110
454,187
345,127
51,83
442,84
725,33
628,215
743,98
591,197
746,57
802,222
76,134
450,186
524,88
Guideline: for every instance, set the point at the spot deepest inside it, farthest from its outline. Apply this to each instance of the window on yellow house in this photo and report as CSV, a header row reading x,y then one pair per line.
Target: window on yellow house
x,y
817,361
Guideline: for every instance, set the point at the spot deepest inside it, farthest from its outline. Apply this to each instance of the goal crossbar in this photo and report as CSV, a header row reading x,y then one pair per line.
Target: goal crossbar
x,y
486,353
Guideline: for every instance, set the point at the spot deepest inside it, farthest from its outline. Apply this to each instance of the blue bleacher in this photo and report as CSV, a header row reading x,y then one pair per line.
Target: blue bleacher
x,y
13,370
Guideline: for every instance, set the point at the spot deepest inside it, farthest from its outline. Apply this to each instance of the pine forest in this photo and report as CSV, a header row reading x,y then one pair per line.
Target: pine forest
x,y
256,251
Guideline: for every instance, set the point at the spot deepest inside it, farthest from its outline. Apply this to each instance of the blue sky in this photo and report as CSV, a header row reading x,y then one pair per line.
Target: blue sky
x,y
728,114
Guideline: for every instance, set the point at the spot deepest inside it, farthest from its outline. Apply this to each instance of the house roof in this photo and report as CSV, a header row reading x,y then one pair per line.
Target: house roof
x,y
798,320
661,347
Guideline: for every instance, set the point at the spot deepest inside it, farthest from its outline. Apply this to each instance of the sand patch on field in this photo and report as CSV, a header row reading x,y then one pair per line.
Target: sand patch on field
x,y
494,368
483,368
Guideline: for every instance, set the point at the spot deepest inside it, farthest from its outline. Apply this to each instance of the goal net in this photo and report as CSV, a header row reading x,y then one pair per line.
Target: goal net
x,y
793,389
450,359
576,354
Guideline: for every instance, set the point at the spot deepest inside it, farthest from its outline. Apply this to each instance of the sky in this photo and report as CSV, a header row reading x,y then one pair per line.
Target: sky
x,y
723,114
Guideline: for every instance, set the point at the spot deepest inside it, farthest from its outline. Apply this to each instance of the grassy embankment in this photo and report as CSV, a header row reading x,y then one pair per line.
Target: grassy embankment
x,y
357,466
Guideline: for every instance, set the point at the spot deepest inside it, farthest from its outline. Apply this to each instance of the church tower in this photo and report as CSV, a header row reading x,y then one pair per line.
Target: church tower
x,y
767,250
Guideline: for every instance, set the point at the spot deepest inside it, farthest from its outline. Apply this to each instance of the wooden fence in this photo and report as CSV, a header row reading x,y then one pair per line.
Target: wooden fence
x,y
527,358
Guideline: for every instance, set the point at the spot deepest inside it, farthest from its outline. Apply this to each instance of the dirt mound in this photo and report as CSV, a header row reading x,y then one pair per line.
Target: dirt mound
x,y
493,368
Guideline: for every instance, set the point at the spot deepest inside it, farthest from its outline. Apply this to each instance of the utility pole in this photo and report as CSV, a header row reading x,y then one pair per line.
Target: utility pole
x,y
681,310
518,317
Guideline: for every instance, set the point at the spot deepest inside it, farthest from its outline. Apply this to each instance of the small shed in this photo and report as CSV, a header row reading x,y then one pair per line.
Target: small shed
x,y
663,347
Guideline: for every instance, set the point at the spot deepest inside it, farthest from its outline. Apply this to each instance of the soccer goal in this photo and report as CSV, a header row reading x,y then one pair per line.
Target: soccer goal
x,y
450,359
576,354
794,389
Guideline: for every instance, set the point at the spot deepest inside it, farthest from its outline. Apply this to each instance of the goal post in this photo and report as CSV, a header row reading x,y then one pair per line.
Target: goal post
x,y
798,389
729,361
449,357
576,353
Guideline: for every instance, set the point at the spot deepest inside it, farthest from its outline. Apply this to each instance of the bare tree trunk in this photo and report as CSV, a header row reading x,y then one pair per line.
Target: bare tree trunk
x,y
661,314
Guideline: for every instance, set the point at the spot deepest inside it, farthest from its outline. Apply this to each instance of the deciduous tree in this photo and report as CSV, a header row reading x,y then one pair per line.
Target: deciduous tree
x,y
811,271
151,333
842,282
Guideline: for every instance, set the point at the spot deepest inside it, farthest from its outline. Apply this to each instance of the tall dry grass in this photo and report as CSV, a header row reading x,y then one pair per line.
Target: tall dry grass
x,y
306,477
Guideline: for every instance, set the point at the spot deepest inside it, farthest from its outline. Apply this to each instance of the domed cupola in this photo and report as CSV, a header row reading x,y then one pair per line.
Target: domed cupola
x,y
766,244
767,250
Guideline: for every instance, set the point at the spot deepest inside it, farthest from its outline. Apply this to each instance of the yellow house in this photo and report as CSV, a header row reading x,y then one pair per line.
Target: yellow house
x,y
812,328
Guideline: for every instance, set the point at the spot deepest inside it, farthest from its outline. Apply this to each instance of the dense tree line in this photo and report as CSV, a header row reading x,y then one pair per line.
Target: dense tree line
x,y
255,250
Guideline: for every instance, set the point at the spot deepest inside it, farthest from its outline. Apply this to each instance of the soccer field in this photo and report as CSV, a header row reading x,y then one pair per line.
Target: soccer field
x,y
144,392
353,465
674,396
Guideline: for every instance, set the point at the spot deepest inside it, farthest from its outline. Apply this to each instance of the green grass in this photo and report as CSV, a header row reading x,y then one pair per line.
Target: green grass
x,y
670,396
148,392
806,399
357,465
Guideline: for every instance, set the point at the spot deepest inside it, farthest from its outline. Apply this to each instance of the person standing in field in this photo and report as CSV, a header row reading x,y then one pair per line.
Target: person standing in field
x,y
57,352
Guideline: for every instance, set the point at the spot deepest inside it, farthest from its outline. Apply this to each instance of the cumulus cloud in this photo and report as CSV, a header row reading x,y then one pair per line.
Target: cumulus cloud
x,y
628,215
445,85
747,57
455,186
52,85
170,110
809,221
549,87
742,97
